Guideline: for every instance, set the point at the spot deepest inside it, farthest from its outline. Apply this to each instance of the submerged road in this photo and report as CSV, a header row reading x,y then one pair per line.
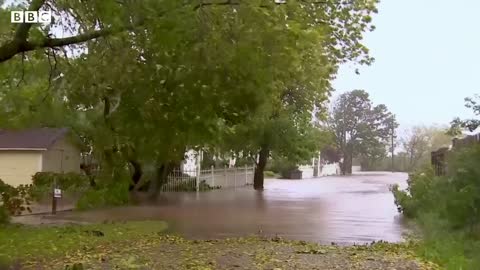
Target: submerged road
x,y
344,210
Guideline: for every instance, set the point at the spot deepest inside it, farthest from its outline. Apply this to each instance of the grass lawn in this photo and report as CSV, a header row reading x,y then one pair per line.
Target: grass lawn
x,y
145,245
35,245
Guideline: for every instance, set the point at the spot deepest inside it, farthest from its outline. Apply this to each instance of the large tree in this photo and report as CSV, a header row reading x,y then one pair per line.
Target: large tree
x,y
360,128
145,80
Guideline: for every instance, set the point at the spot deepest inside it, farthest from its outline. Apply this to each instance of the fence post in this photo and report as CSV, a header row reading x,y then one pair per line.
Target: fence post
x,y
235,177
54,198
246,175
213,177
225,179
197,179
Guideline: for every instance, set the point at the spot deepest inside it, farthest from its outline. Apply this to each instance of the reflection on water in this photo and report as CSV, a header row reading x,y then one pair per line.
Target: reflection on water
x,y
348,210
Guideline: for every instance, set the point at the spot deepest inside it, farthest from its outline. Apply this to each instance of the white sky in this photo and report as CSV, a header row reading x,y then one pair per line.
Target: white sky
x,y
427,60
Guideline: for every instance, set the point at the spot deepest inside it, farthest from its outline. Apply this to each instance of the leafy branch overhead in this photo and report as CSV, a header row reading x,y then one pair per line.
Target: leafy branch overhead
x,y
85,21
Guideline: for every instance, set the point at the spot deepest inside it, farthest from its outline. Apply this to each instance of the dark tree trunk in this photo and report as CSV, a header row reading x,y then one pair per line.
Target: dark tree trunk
x,y
258,178
87,169
346,165
162,172
137,173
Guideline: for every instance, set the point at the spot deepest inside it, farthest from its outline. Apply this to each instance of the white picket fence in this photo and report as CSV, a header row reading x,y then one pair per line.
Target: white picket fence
x,y
212,178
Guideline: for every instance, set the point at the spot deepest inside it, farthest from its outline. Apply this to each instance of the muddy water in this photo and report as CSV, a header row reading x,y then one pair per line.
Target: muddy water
x,y
346,210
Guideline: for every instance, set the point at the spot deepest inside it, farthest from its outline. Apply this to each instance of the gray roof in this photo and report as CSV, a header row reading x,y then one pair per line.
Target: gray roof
x,y
30,139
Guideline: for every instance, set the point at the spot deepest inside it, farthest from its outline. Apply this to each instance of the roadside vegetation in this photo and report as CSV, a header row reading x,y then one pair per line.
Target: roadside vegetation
x,y
446,209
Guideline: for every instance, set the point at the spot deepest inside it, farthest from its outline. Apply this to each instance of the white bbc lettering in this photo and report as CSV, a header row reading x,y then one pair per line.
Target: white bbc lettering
x,y
44,17
16,16
31,17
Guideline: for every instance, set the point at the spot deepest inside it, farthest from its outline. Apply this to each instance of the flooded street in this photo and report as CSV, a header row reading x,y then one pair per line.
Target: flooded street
x,y
345,210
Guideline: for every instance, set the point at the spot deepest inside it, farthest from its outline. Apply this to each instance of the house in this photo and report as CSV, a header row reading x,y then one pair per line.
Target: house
x,y
26,152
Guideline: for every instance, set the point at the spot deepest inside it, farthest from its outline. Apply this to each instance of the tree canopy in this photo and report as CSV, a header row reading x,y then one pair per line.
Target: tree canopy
x,y
140,82
361,129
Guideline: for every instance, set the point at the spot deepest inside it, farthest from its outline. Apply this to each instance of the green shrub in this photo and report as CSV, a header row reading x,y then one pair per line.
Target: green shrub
x,y
68,182
4,215
420,193
269,174
4,187
63,180
15,200
447,208
283,167
463,192
111,195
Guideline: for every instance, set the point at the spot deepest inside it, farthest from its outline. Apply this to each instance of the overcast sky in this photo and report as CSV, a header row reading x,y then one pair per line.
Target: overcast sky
x,y
427,60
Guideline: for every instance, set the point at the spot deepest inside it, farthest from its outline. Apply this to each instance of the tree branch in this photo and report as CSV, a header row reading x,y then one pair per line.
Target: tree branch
x,y
19,44
14,47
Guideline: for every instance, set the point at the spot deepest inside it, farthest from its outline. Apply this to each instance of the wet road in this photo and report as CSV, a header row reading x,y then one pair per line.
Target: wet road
x,y
345,210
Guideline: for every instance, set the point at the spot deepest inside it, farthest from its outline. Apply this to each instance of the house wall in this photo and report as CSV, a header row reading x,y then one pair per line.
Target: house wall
x,y
61,157
18,167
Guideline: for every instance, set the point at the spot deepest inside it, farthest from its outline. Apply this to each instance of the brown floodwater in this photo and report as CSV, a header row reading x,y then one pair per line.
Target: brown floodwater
x,y
344,210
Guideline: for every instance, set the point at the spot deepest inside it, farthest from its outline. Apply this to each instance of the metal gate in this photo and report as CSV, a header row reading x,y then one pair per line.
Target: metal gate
x,y
213,178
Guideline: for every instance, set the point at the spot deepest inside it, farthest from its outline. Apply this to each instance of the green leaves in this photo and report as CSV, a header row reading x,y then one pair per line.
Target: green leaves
x,y
458,125
360,128
164,76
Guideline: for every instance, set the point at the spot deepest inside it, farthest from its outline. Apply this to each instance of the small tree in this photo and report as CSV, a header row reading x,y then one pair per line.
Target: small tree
x,y
458,125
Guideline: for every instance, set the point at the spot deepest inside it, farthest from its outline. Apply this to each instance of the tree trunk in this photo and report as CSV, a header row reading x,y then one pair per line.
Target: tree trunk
x,y
137,173
163,170
346,165
258,178
87,169
350,164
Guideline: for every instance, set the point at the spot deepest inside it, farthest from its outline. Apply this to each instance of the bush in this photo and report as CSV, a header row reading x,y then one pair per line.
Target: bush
x,y
454,197
68,182
15,200
420,193
111,195
63,180
283,167
4,187
447,208
4,215
269,174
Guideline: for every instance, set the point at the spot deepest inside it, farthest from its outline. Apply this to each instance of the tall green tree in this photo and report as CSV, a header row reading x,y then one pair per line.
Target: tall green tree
x,y
360,128
144,81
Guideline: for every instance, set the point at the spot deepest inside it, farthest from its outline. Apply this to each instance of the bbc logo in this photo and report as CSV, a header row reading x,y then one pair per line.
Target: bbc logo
x,y
31,17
